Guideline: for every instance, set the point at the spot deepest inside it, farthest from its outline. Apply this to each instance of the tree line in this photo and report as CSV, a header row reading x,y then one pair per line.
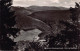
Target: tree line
x,y
7,22
69,36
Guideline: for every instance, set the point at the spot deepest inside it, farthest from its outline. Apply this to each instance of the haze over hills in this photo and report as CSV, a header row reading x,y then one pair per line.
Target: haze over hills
x,y
31,9
43,8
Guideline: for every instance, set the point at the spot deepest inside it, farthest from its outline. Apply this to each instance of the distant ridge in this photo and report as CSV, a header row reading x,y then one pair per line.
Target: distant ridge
x,y
43,8
31,9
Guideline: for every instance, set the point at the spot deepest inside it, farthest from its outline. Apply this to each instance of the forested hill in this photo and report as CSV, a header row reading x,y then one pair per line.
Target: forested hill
x,y
43,14
51,16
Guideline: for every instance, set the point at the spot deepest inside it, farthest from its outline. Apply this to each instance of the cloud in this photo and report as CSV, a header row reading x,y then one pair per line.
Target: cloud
x,y
31,0
19,0
55,1
26,3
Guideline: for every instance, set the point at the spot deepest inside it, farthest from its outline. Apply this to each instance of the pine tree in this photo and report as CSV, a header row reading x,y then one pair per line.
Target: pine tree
x,y
71,31
7,21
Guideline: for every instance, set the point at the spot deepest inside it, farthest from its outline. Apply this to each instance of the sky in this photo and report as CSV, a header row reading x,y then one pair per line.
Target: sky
x,y
26,3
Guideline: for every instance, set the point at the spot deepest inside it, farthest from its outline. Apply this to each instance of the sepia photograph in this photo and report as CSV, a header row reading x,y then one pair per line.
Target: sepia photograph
x,y
39,25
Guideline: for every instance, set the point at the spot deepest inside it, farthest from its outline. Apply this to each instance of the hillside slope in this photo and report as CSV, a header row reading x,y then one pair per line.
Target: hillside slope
x,y
52,18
